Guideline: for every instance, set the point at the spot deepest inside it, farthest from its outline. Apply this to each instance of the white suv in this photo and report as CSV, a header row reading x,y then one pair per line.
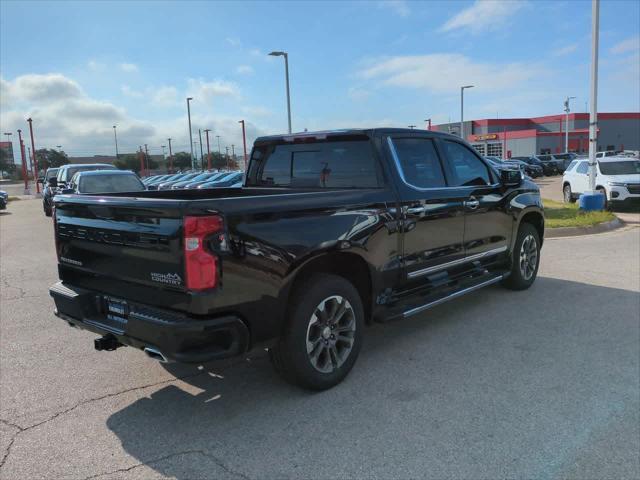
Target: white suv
x,y
617,177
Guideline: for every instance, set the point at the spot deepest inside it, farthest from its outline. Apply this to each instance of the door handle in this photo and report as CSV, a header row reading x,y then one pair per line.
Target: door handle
x,y
472,203
416,210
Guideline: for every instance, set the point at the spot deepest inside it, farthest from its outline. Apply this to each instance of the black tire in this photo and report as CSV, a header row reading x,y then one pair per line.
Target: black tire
x,y
47,212
519,278
567,194
290,357
604,192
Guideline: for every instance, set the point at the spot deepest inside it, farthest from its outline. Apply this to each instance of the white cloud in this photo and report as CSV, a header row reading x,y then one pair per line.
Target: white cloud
x,y
444,72
47,88
358,93
130,92
256,111
244,70
399,7
566,50
206,91
95,65
128,67
631,44
166,96
234,42
483,15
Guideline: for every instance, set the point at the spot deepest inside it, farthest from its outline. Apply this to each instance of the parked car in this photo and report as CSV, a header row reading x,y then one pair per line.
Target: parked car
x,y
224,181
63,175
564,160
104,181
195,184
47,190
167,184
618,178
549,168
4,200
202,177
332,231
531,169
153,184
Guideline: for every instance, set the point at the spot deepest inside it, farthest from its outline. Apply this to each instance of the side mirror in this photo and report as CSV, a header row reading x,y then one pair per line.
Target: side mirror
x,y
53,182
511,178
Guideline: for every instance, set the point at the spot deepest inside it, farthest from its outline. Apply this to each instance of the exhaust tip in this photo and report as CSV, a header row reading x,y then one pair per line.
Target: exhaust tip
x,y
155,354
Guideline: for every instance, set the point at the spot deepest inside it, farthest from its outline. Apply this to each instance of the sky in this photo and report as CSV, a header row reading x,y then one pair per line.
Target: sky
x,y
78,68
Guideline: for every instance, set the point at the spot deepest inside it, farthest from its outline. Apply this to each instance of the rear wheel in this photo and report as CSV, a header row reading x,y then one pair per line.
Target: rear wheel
x,y
526,258
604,192
323,335
568,196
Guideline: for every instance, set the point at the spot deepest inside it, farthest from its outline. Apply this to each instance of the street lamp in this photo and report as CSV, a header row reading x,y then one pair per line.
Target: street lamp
x,y
190,136
206,132
428,120
286,70
115,136
12,156
219,153
170,157
244,145
566,111
462,109
35,160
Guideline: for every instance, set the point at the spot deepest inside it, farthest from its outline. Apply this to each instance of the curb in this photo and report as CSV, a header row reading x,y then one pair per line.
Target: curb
x,y
575,231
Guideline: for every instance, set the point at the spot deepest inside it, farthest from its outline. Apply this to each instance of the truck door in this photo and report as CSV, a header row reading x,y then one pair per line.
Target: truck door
x,y
432,214
488,224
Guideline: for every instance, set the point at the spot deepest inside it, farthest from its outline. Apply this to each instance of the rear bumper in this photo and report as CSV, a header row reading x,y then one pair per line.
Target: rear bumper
x,y
178,337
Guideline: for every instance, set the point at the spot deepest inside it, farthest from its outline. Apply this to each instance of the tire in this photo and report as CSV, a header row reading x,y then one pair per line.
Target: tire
x,y
567,194
308,328
604,192
524,268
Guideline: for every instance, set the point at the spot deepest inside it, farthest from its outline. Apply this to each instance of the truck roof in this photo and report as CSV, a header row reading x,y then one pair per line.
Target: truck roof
x,y
322,134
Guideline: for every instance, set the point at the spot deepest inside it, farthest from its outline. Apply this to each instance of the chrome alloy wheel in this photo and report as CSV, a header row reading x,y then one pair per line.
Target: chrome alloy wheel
x,y
330,334
528,257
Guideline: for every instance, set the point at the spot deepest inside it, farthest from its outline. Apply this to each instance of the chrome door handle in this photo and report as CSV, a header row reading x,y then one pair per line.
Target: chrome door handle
x,y
416,210
472,204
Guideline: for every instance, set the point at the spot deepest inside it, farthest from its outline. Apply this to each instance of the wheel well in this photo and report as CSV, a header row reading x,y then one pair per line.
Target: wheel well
x,y
564,184
347,265
535,219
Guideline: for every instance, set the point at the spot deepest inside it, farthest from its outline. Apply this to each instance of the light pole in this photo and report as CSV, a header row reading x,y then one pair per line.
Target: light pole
x,y
201,152
566,123
115,137
593,115
170,157
244,145
35,160
146,159
190,136
286,71
206,132
8,134
24,165
428,120
462,109
218,137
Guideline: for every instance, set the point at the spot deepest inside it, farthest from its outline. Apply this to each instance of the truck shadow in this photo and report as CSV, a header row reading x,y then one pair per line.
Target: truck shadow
x,y
420,388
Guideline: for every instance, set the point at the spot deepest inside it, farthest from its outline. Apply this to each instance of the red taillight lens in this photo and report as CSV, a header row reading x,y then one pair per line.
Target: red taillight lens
x,y
201,265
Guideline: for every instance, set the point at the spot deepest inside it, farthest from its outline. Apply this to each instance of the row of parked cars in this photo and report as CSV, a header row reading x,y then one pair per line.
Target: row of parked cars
x,y
105,178
537,165
194,180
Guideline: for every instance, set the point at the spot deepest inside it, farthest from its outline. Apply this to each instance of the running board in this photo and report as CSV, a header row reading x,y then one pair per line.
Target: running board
x,y
453,295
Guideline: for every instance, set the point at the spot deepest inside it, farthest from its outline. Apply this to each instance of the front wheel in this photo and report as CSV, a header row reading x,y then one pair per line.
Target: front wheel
x,y
568,196
323,335
526,259
603,192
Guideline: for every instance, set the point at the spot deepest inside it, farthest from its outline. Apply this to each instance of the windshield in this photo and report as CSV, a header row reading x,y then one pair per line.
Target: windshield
x,y
51,173
109,183
623,167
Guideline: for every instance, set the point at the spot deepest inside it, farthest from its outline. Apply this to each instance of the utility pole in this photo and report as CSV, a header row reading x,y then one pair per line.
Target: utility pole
x,y
585,202
462,109
140,156
428,120
244,146
226,155
115,137
170,157
219,152
146,159
566,123
190,135
206,132
201,153
35,160
24,164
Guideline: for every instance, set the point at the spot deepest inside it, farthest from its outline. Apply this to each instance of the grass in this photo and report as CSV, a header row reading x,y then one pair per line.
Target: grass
x,y
12,198
558,214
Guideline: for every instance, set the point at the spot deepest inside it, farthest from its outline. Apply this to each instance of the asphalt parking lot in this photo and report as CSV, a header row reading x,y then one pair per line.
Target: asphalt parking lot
x,y
537,384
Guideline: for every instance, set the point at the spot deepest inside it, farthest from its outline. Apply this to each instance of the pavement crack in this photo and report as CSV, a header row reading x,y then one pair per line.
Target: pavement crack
x,y
6,453
204,453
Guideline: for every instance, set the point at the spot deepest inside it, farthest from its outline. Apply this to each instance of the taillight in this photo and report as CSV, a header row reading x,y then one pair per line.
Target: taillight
x,y
201,265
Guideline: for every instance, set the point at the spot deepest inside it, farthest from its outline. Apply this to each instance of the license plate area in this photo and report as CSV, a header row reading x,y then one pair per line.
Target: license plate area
x,y
114,314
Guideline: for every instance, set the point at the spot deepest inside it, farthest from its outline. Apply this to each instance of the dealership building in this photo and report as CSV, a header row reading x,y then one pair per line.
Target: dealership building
x,y
513,137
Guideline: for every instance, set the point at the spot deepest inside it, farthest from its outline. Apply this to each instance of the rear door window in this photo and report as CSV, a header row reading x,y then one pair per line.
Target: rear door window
x,y
330,164
419,162
583,167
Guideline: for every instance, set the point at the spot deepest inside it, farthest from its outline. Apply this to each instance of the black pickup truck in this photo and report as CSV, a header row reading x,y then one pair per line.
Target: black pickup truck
x,y
332,230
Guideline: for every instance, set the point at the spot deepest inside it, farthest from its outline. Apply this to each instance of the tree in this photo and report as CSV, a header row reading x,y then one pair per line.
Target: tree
x,y
181,161
51,158
131,161
6,163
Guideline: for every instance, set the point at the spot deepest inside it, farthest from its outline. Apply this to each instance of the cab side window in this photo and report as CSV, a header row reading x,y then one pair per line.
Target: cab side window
x,y
583,167
466,168
419,162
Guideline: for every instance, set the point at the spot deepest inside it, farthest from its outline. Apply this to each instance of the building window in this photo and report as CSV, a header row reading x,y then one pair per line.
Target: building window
x,y
479,147
494,149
